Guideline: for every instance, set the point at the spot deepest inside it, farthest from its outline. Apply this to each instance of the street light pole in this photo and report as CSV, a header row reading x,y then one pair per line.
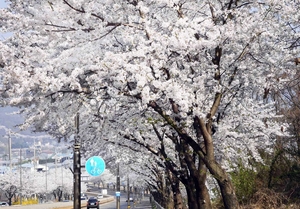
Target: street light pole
x,y
76,167
62,177
21,176
128,193
46,176
9,150
118,187
77,176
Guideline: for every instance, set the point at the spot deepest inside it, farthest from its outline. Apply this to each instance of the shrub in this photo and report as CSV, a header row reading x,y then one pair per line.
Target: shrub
x,y
244,183
27,201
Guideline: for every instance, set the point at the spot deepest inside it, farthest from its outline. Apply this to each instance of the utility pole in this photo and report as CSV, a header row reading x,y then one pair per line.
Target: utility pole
x,y
46,177
118,192
62,176
76,167
9,150
21,176
34,158
128,192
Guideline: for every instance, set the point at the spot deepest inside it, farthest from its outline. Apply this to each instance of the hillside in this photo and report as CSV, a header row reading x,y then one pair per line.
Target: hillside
x,y
9,120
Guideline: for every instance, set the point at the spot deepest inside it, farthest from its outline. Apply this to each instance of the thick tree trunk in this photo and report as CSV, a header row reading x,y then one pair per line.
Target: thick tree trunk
x,y
178,203
190,190
198,175
169,199
197,193
228,194
208,157
226,187
205,202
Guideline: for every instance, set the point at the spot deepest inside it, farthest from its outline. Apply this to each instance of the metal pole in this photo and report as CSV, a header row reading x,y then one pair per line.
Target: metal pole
x,y
62,176
9,150
34,158
20,176
133,193
128,193
46,176
77,168
118,187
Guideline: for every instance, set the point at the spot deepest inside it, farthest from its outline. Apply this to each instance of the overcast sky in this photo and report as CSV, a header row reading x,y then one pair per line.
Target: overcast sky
x,y
2,3
5,118
8,119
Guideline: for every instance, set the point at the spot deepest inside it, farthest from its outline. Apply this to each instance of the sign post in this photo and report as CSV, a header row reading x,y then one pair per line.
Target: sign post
x,y
118,193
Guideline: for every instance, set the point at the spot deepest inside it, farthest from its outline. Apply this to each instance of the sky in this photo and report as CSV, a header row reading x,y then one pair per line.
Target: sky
x,y
2,3
7,118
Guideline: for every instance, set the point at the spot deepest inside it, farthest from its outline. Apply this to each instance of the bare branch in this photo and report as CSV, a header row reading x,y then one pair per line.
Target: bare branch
x,y
76,91
97,16
78,10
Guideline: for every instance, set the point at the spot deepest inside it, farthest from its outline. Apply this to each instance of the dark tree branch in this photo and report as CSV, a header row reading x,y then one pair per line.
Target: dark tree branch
x,y
97,16
78,10
147,146
180,131
69,91
123,145
66,29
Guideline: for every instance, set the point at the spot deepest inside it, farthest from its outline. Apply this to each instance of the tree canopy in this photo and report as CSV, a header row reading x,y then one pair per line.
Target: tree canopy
x,y
173,77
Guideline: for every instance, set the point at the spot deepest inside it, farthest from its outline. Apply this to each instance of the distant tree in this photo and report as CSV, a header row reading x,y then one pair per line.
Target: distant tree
x,y
9,184
104,178
10,192
284,166
58,193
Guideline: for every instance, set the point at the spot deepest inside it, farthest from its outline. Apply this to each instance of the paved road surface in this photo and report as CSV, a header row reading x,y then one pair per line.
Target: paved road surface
x,y
53,205
49,205
143,204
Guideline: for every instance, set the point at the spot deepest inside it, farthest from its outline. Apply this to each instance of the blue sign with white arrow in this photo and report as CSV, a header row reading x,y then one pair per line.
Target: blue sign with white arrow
x,y
95,166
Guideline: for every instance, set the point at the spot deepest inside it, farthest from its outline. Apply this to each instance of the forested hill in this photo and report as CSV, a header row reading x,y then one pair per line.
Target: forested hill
x,y
9,119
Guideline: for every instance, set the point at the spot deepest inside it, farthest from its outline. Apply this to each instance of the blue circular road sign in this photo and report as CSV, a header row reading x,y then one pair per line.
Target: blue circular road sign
x,y
95,166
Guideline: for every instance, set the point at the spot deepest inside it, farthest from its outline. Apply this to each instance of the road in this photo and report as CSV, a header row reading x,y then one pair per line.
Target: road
x,y
112,205
69,205
143,204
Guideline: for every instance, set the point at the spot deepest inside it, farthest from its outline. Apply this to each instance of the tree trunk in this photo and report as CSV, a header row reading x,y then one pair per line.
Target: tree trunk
x,y
227,190
198,196
205,202
168,187
208,157
198,175
190,190
228,194
206,154
177,197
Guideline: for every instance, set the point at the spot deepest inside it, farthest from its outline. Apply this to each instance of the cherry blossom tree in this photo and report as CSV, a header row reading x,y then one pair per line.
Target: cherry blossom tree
x,y
30,183
8,186
105,178
49,181
200,72
18,183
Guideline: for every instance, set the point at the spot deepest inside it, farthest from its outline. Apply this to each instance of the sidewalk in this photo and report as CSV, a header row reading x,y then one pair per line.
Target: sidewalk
x,y
143,204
